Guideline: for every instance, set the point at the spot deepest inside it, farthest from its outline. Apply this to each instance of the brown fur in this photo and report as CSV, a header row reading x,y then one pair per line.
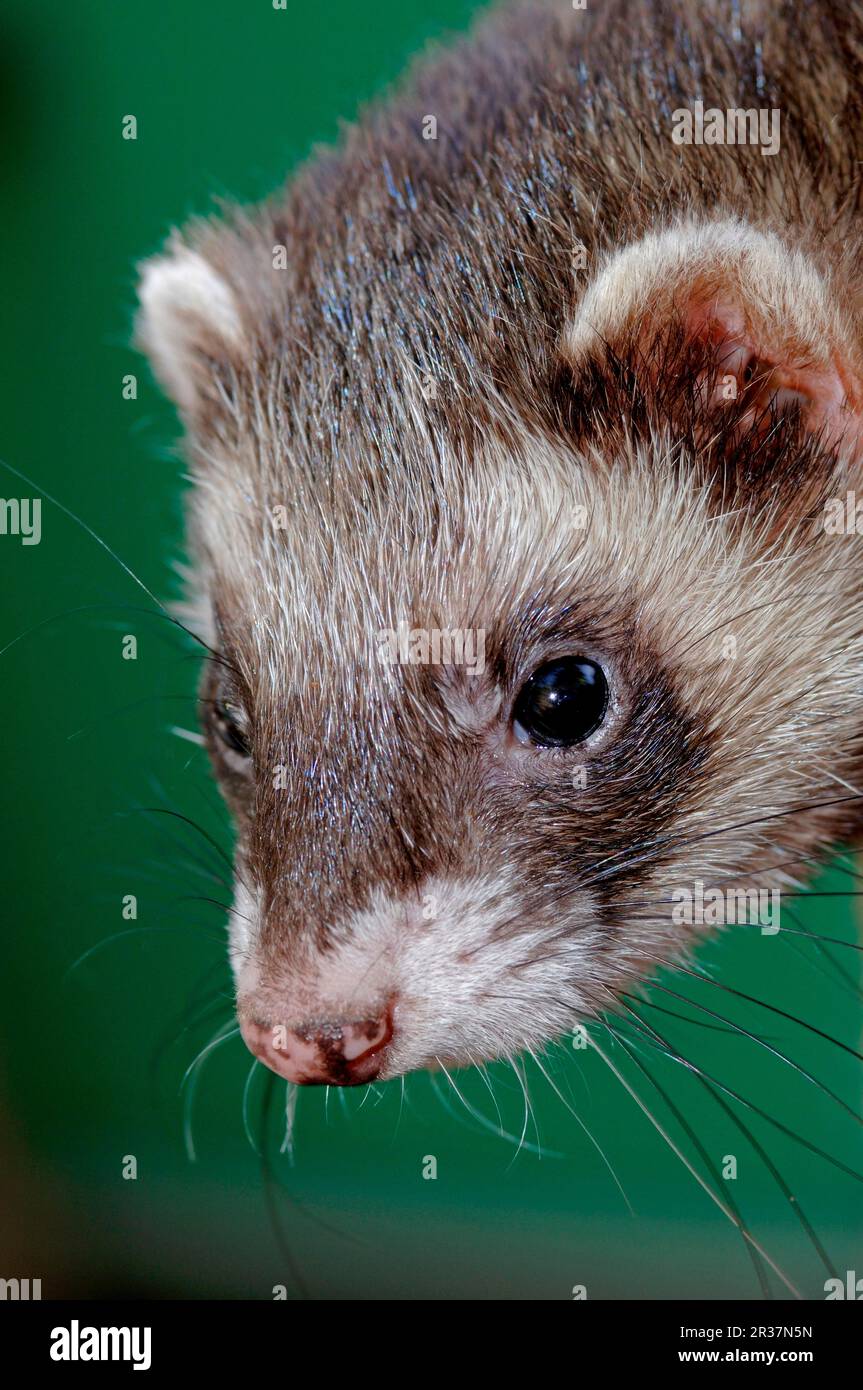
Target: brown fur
x,y
452,261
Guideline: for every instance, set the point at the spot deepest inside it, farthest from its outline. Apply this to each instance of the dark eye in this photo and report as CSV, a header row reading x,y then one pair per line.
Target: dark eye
x,y
563,703
230,727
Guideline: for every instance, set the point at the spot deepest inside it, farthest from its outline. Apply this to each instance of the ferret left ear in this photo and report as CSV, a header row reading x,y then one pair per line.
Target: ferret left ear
x,y
188,324
760,318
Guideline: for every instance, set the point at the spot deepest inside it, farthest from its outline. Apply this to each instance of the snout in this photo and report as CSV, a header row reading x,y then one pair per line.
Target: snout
x,y
333,1053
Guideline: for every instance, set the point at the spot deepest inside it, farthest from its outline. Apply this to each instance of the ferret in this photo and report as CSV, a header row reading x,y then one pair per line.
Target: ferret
x,y
516,425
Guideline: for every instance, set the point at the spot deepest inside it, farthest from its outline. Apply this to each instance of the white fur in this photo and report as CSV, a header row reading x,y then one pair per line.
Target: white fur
x,y
450,973
182,299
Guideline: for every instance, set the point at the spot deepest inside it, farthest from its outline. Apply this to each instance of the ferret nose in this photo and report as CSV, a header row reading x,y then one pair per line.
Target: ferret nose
x,y
322,1054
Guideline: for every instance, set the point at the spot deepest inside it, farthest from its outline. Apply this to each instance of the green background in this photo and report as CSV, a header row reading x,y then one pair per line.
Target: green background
x,y
100,1018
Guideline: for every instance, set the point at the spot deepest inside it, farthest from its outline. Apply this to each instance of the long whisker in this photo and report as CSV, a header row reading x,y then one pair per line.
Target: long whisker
x,y
84,527
272,1186
676,842
757,1263
595,1142
292,1095
762,1154
129,931
186,820
485,1123
762,1004
246,1093
764,1115
482,1071
845,981
528,1113
723,1207
192,1074
760,1042
163,611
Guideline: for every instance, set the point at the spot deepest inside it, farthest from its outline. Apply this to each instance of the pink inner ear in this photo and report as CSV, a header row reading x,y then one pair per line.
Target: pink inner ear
x,y
752,370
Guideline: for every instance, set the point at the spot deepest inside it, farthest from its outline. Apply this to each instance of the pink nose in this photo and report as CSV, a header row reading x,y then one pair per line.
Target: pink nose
x,y
323,1054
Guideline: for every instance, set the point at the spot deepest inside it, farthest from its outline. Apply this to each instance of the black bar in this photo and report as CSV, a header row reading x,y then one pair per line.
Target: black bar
x,y
245,1338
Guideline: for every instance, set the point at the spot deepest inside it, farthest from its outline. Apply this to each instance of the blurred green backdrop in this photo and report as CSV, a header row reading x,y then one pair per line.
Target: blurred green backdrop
x,y
101,1017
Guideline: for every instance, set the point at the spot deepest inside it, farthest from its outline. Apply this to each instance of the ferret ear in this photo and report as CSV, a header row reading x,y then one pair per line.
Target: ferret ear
x,y
757,315
189,325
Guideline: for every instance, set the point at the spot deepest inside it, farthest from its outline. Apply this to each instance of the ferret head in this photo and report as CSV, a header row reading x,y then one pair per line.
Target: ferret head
x,y
486,703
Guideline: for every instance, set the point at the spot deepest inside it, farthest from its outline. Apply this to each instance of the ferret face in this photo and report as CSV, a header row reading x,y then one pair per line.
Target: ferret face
x,y
480,721
458,741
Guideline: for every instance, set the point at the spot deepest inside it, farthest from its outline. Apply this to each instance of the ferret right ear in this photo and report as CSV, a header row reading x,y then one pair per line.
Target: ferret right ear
x,y
751,323
189,325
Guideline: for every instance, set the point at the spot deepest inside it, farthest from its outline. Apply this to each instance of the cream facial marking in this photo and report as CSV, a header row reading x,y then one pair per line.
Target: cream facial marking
x,y
410,984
